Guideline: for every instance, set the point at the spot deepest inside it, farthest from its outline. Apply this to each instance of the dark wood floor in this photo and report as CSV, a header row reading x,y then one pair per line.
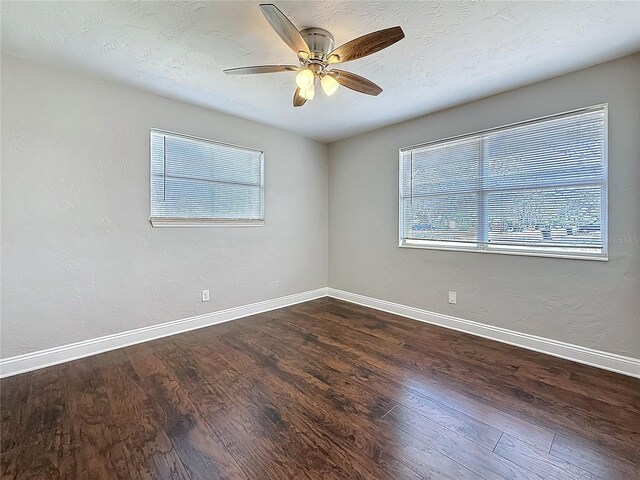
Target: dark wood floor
x,y
321,390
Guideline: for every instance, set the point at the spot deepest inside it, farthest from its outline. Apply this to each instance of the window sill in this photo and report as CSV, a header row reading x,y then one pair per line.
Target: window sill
x,y
600,257
203,222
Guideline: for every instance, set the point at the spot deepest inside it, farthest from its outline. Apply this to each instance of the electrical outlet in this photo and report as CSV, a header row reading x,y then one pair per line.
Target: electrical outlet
x,y
205,295
452,297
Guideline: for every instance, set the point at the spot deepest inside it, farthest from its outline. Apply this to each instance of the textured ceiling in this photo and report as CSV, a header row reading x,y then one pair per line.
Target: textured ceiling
x,y
453,51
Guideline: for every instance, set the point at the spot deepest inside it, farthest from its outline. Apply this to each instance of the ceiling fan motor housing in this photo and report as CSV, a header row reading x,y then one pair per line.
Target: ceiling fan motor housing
x,y
320,43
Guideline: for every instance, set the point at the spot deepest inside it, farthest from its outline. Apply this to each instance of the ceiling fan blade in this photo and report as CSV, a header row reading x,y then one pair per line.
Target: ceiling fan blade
x,y
355,82
284,28
366,45
261,69
298,101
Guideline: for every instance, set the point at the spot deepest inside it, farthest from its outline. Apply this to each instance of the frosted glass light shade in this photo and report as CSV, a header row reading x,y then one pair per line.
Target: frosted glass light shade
x,y
305,79
308,93
329,84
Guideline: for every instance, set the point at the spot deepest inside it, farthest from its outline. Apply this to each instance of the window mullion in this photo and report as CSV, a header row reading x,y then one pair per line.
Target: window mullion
x,y
212,186
164,168
482,222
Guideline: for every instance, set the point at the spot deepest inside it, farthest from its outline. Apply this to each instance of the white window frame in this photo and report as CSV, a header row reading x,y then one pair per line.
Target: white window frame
x,y
576,253
205,222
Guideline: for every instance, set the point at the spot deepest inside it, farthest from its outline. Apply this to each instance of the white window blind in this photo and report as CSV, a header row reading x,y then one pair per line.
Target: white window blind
x,y
538,187
202,182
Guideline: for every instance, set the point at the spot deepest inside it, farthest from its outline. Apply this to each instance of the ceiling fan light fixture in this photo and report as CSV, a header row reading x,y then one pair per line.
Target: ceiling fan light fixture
x,y
308,93
315,52
329,85
305,79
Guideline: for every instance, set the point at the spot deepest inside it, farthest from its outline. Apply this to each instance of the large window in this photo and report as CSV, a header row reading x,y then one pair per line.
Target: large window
x,y
200,182
535,188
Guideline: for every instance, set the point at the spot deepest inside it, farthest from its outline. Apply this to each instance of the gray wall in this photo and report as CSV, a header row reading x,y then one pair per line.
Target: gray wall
x,y
588,303
79,257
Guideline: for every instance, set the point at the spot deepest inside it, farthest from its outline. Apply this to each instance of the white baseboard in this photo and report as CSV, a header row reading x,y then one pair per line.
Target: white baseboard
x,y
53,356
608,361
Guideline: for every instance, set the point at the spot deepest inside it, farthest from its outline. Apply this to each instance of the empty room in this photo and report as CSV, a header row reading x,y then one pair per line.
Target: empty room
x,y
313,240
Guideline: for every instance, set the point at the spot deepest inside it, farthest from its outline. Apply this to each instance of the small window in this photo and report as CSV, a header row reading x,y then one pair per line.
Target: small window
x,y
197,182
534,188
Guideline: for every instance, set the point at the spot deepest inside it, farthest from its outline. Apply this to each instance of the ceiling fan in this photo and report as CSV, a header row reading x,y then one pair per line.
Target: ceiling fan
x,y
314,47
